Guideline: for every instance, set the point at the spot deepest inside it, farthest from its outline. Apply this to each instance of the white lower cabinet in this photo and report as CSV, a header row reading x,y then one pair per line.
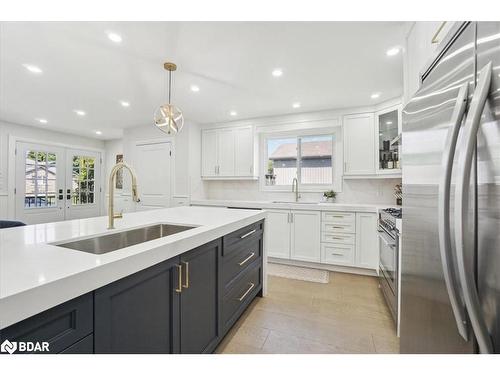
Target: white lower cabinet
x,y
305,244
329,237
277,230
293,235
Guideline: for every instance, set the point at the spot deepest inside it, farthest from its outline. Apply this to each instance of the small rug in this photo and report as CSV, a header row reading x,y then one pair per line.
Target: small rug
x,y
298,273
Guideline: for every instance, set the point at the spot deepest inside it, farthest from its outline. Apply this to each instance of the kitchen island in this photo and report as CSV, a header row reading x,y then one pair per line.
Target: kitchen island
x,y
131,289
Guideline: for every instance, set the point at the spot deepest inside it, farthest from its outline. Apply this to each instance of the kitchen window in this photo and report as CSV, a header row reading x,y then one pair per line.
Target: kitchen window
x,y
312,158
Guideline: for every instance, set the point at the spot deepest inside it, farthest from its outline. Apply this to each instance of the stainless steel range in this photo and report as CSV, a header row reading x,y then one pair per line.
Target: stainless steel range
x,y
389,224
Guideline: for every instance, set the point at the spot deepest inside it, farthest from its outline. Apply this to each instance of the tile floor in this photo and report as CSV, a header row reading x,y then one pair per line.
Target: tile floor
x,y
347,315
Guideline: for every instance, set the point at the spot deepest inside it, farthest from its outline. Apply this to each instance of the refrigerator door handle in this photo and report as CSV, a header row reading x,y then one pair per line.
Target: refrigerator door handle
x,y
465,269
450,277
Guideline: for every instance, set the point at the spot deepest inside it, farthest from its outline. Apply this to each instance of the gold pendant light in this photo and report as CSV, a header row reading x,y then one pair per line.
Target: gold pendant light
x,y
168,118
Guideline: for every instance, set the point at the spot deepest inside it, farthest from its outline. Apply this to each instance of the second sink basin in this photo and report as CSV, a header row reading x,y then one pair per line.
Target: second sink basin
x,y
110,242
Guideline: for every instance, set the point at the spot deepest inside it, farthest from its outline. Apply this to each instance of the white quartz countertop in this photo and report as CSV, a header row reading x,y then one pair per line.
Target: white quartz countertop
x,y
302,205
36,275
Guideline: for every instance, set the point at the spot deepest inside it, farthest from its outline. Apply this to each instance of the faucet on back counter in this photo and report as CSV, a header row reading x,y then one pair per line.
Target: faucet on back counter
x,y
135,197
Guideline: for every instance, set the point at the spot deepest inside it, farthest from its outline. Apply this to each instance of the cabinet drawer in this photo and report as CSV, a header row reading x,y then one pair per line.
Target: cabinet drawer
x,y
344,239
337,254
60,326
338,217
240,295
241,237
338,227
84,346
240,259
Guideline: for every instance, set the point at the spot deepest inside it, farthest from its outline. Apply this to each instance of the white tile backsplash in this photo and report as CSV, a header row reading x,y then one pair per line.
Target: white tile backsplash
x,y
372,191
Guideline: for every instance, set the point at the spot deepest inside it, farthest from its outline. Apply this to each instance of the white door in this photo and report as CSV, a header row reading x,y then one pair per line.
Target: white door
x,y
83,178
359,144
305,245
56,183
40,183
225,152
367,249
209,152
153,170
244,151
278,234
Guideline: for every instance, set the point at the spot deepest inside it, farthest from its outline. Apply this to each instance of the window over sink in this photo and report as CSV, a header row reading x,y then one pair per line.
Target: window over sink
x,y
309,156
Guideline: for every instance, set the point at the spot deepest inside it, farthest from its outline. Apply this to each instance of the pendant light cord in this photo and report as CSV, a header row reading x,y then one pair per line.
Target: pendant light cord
x,y
169,84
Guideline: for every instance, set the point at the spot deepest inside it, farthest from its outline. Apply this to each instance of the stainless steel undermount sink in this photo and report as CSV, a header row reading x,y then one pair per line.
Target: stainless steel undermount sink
x,y
110,242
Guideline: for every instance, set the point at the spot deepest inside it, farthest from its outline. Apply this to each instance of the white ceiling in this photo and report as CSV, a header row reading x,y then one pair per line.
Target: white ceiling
x,y
325,65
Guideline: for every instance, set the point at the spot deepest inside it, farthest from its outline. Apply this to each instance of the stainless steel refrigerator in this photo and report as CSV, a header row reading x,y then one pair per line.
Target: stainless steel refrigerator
x,y
451,199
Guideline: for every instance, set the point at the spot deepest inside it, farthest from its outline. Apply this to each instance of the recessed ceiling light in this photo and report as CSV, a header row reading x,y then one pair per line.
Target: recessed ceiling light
x,y
388,122
98,132
375,95
296,105
114,37
33,68
277,73
80,112
125,104
42,121
194,88
233,113
392,51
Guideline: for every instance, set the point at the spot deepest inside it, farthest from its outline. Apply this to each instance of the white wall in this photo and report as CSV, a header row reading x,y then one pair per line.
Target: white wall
x,y
39,135
373,191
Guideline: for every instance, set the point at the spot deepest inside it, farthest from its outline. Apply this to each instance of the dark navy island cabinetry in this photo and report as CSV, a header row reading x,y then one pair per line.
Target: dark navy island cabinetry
x,y
185,304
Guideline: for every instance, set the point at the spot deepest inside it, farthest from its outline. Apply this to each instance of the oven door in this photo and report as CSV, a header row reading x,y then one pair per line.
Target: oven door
x,y
388,257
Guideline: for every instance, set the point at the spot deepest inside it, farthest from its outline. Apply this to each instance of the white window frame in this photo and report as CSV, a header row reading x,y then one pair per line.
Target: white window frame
x,y
337,172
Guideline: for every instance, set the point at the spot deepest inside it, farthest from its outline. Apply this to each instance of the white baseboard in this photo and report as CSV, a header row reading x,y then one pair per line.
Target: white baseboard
x,y
329,267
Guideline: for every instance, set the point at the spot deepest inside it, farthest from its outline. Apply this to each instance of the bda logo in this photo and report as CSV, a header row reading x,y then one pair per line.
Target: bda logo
x,y
9,347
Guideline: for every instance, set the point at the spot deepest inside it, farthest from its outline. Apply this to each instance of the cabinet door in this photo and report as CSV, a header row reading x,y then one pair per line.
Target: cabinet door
x,y
244,151
139,313
387,129
209,152
199,308
367,252
225,152
277,234
359,144
306,236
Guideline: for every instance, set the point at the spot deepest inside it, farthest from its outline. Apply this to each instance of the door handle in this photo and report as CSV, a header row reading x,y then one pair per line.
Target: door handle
x,y
186,285
465,270
179,280
450,277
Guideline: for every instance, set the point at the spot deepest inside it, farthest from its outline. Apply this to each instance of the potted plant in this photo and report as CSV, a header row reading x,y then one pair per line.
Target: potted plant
x,y
329,196
270,178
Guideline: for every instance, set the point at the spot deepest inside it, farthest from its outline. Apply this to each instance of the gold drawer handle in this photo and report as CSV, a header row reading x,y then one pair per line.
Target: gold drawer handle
x,y
337,254
179,282
248,234
246,259
338,227
252,285
337,238
186,285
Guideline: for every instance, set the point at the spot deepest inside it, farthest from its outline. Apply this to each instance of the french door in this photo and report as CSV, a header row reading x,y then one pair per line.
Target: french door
x,y
56,183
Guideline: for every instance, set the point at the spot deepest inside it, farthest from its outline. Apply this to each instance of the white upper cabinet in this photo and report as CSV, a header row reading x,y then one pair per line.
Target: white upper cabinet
x,y
359,144
244,151
209,152
228,153
421,43
225,152
388,143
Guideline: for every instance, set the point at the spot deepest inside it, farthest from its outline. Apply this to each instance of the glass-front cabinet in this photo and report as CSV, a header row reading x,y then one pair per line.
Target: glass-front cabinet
x,y
388,126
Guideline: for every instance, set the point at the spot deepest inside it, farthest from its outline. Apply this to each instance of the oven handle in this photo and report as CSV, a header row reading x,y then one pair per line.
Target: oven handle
x,y
465,270
450,277
383,237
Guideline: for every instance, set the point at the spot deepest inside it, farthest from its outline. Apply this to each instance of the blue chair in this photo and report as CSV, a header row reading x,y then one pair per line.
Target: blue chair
x,y
10,224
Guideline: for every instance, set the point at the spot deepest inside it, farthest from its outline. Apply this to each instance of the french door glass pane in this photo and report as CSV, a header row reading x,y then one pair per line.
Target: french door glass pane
x,y
316,159
281,161
83,180
40,179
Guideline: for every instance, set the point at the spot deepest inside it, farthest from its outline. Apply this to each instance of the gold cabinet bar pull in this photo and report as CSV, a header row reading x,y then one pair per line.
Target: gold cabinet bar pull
x,y
252,285
179,282
246,259
249,233
186,285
